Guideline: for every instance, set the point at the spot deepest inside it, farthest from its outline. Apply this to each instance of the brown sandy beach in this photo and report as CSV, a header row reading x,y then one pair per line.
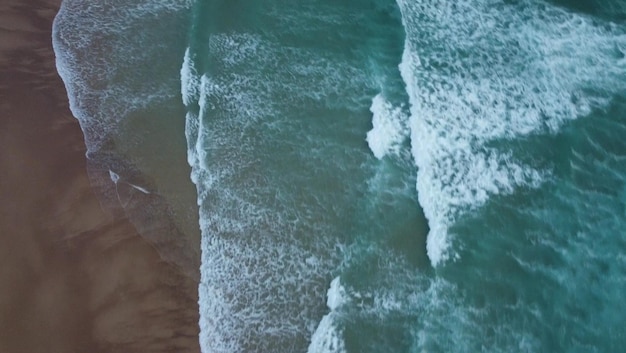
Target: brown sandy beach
x,y
73,278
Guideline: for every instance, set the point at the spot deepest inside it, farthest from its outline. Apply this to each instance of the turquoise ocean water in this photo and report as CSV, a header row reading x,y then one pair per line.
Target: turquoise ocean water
x,y
377,176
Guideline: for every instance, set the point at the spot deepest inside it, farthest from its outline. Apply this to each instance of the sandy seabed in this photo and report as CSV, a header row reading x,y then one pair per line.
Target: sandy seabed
x,y
73,278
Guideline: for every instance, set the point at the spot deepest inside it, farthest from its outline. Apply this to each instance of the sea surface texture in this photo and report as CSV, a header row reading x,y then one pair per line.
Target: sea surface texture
x,y
380,176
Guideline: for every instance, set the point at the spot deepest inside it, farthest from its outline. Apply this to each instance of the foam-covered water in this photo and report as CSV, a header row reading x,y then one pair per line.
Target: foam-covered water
x,y
379,176
479,72
389,128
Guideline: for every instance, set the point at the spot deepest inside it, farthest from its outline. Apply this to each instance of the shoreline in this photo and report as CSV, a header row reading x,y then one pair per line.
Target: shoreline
x,y
73,277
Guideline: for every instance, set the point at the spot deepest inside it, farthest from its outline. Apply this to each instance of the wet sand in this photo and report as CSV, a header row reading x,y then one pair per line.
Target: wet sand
x,y
73,278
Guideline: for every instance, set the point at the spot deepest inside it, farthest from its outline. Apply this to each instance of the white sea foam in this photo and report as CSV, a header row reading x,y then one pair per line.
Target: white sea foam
x,y
388,131
189,80
336,295
478,72
328,336
115,178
